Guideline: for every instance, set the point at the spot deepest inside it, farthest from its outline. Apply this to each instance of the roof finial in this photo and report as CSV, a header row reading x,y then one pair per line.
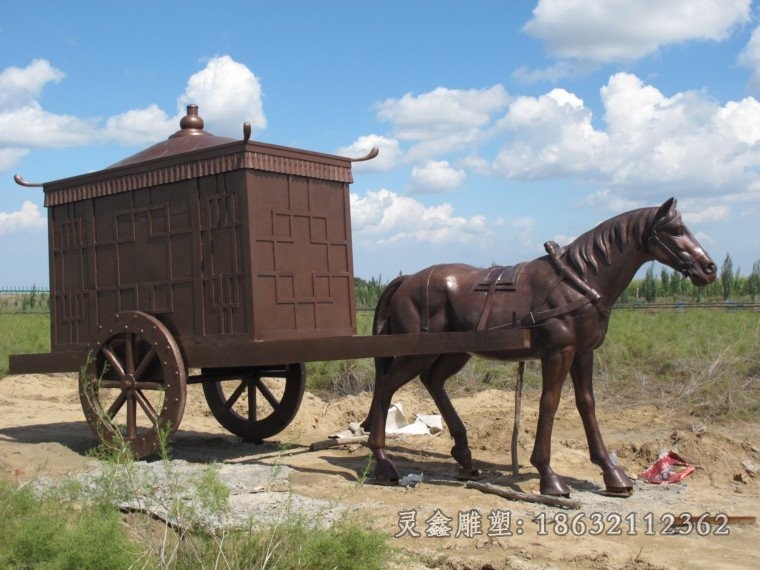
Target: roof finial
x,y
191,124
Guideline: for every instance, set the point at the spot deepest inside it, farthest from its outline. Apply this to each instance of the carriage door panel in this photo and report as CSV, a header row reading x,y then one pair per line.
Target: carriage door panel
x,y
222,267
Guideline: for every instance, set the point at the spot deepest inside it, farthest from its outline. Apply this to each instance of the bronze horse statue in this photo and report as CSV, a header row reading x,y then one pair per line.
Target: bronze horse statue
x,y
564,298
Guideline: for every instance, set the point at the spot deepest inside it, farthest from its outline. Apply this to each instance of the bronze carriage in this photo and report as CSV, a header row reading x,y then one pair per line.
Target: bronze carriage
x,y
229,257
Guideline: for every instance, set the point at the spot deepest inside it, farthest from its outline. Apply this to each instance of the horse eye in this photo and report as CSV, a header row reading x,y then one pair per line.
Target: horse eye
x,y
678,232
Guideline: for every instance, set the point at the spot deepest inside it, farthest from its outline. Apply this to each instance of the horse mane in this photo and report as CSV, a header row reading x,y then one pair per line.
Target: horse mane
x,y
597,246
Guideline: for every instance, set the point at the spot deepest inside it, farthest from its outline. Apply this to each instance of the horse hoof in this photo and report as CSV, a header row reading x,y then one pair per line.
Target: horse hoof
x,y
463,456
617,481
621,492
386,473
554,486
468,474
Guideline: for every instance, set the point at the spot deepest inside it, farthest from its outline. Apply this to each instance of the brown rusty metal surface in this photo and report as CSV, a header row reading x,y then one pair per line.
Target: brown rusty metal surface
x,y
240,352
190,137
564,298
46,362
244,353
133,392
217,239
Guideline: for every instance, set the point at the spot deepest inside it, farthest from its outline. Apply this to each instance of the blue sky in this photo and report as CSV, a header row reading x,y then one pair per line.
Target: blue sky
x,y
500,124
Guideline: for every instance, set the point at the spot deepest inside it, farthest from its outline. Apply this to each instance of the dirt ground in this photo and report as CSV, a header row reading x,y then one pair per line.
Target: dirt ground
x,y
42,432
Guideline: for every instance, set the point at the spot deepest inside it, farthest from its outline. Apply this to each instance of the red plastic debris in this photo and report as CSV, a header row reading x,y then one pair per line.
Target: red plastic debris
x,y
662,470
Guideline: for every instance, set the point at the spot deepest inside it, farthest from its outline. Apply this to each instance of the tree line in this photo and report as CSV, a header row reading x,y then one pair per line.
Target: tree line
x,y
670,285
665,285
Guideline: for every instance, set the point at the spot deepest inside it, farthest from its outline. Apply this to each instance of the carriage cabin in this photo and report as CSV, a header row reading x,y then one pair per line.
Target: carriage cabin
x,y
218,238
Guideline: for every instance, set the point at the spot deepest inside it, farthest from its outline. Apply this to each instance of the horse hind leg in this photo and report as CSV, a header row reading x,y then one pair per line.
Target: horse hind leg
x,y
434,378
382,364
401,370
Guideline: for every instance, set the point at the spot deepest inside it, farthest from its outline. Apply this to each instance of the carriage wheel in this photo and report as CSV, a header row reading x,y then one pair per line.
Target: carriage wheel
x,y
251,404
134,385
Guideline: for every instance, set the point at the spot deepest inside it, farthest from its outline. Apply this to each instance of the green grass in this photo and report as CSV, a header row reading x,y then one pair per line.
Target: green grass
x,y
704,359
43,533
22,333
75,524
295,544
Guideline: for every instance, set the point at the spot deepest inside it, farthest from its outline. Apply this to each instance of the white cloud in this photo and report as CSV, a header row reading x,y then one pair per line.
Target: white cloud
x,y
31,126
523,228
442,120
553,135
555,72
624,30
607,200
386,217
687,143
750,57
24,123
436,176
228,94
9,157
27,218
139,126
709,214
388,158
21,86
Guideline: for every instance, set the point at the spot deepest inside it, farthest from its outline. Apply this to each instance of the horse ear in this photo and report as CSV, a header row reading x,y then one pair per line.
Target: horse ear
x,y
664,210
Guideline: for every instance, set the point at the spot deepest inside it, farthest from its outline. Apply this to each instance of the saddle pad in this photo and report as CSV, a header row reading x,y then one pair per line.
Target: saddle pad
x,y
501,278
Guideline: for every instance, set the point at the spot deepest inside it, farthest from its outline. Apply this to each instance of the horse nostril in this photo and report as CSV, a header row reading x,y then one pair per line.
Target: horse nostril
x,y
710,268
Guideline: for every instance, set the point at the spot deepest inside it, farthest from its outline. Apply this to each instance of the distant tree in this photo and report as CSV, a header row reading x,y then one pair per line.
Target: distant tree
x,y
664,282
677,285
727,277
753,281
649,286
368,291
628,295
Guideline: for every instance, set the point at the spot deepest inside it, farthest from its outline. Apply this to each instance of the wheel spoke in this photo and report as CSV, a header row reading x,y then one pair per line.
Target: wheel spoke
x,y
149,385
129,355
131,418
251,383
267,394
113,360
114,408
144,363
109,384
235,395
147,408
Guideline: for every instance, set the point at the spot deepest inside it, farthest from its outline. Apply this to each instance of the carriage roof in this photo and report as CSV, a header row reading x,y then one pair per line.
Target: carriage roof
x,y
193,152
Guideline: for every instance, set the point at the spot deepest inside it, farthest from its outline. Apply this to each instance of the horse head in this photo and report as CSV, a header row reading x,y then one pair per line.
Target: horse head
x,y
669,241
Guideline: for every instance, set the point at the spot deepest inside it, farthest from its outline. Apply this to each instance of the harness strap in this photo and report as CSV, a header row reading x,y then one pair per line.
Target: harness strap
x,y
532,318
556,254
489,300
425,295
590,295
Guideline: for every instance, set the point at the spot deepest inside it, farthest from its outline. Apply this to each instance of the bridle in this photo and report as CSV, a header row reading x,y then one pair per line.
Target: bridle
x,y
682,265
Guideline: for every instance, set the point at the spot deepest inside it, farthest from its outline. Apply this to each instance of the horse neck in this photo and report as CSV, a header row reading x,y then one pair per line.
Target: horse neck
x,y
611,279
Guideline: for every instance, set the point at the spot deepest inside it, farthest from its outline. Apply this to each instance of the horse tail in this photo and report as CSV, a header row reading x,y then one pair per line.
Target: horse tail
x,y
380,323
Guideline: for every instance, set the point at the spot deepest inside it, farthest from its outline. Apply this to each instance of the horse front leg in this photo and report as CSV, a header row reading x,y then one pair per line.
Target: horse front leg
x,y
553,371
582,372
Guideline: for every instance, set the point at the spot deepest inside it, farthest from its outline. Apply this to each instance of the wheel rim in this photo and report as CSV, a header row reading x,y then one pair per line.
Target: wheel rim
x,y
251,405
133,388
